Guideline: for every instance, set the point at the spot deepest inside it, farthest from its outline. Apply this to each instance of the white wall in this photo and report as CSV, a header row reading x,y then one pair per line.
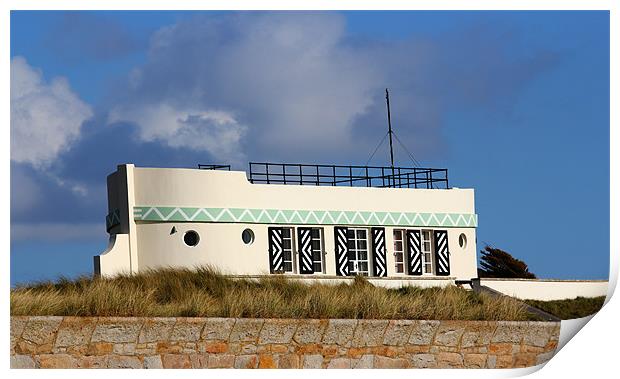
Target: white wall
x,y
542,289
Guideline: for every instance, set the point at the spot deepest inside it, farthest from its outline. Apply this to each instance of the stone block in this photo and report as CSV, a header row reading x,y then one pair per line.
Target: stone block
x,y
509,332
221,361
477,333
339,363
397,332
156,329
92,361
504,361
313,361
422,360
18,323
423,331
246,361
246,330
267,361
339,332
544,357
176,361
168,348
124,348
365,362
277,331
449,360
213,347
217,328
524,359
75,331
501,348
491,361
475,360
369,333
538,333
310,331
385,362
153,362
41,330
124,361
199,360
288,361
117,330
22,361
449,333
187,329
100,348
56,361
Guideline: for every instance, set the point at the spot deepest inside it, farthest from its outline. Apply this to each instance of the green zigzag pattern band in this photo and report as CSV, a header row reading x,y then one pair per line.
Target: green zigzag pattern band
x,y
278,216
112,219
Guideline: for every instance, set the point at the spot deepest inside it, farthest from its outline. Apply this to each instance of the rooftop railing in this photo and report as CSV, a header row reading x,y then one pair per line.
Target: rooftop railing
x,y
352,176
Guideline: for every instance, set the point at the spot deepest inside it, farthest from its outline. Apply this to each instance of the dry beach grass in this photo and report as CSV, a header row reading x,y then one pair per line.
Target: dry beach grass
x,y
205,292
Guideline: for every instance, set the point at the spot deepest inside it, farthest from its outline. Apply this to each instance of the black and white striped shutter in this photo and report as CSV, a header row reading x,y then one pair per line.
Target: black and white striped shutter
x,y
378,252
342,250
276,258
414,249
304,247
442,254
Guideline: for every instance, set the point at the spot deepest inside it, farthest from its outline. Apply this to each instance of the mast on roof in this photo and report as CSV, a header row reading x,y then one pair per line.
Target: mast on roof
x,y
387,99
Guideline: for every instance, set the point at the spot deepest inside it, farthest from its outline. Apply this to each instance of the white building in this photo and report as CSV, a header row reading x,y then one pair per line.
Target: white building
x,y
344,221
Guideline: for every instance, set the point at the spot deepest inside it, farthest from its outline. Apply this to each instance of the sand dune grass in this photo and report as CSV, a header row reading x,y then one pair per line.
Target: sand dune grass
x,y
205,292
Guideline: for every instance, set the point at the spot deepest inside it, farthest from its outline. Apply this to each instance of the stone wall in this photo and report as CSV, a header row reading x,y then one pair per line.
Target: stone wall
x,y
140,342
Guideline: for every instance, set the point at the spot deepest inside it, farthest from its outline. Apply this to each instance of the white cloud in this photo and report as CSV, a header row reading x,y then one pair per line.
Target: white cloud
x,y
216,132
290,78
45,117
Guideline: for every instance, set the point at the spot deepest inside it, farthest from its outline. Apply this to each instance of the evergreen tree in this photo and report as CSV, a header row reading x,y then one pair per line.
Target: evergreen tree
x,y
496,263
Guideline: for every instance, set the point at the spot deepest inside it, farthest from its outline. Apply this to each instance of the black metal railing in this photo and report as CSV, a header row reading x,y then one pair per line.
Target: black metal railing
x,y
214,167
336,175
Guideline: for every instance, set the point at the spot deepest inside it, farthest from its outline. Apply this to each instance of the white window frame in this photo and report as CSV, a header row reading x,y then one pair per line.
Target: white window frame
x,y
293,249
402,252
430,251
357,250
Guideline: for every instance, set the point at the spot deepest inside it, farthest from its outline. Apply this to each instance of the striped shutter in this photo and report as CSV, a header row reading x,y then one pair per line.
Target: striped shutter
x,y
442,254
414,249
275,250
378,252
304,247
342,250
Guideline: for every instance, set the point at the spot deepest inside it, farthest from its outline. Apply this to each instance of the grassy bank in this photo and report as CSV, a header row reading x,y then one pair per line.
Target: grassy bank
x,y
207,293
570,308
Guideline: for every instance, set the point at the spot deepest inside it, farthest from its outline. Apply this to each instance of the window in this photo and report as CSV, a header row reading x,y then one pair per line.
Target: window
x,y
247,236
358,251
462,241
191,238
427,251
317,249
399,250
287,250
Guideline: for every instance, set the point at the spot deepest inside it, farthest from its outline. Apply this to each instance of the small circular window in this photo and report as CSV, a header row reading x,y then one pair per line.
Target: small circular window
x,y
462,240
247,236
191,238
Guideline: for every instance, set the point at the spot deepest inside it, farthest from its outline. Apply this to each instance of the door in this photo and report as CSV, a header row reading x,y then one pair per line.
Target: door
x,y
358,251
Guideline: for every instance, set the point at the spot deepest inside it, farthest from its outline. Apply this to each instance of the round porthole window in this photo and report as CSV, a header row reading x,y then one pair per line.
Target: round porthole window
x,y
247,236
462,241
191,238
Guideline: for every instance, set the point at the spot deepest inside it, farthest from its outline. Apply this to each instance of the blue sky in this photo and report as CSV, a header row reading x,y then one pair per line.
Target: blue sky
x,y
514,104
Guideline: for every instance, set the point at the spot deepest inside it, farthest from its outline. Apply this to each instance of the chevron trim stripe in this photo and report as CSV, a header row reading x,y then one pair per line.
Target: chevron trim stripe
x,y
342,251
304,217
379,252
414,247
276,259
305,251
112,219
441,252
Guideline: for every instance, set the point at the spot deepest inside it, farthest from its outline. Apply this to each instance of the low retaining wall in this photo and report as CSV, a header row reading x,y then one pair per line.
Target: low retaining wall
x,y
111,342
547,289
